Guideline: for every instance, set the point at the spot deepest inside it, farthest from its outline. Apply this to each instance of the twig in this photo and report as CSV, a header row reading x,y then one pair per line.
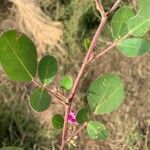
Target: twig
x,y
100,8
109,48
57,95
64,135
87,59
89,56
103,52
76,132
113,8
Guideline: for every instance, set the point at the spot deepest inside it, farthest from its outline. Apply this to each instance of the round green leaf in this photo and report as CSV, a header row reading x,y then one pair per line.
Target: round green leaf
x,y
119,22
133,47
140,24
66,82
47,69
82,115
97,130
18,56
40,100
58,121
106,94
11,148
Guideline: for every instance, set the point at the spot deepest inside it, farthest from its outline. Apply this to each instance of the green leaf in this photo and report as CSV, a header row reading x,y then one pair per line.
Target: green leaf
x,y
66,82
18,56
106,94
86,43
58,121
144,8
97,130
40,100
140,24
11,148
133,47
82,115
47,69
119,22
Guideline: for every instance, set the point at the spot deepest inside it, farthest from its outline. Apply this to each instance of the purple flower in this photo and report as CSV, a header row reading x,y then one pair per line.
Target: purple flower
x,y
72,117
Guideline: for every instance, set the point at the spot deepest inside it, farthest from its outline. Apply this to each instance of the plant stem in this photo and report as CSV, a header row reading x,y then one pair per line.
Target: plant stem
x,y
75,85
76,132
89,56
64,135
86,59
113,8
57,95
103,52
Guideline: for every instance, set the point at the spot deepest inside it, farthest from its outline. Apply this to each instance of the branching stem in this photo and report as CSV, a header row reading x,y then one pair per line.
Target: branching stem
x,y
87,60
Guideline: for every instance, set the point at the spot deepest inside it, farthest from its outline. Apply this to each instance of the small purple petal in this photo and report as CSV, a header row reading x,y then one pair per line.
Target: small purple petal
x,y
72,117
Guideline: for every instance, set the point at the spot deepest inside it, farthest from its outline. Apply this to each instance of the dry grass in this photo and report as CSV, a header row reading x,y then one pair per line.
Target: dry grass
x,y
27,16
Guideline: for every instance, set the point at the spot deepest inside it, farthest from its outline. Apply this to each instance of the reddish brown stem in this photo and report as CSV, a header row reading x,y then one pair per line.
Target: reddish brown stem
x,y
86,59
89,56
113,8
65,127
104,52
85,62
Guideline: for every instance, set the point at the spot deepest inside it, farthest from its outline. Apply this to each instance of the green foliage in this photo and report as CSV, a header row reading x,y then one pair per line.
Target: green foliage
x,y
82,115
47,69
119,22
106,94
11,148
124,23
66,82
132,47
18,56
40,100
144,8
97,130
86,43
140,24
58,121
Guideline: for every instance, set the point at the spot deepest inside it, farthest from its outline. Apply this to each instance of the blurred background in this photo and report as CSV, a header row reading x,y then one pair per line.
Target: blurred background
x,y
59,27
